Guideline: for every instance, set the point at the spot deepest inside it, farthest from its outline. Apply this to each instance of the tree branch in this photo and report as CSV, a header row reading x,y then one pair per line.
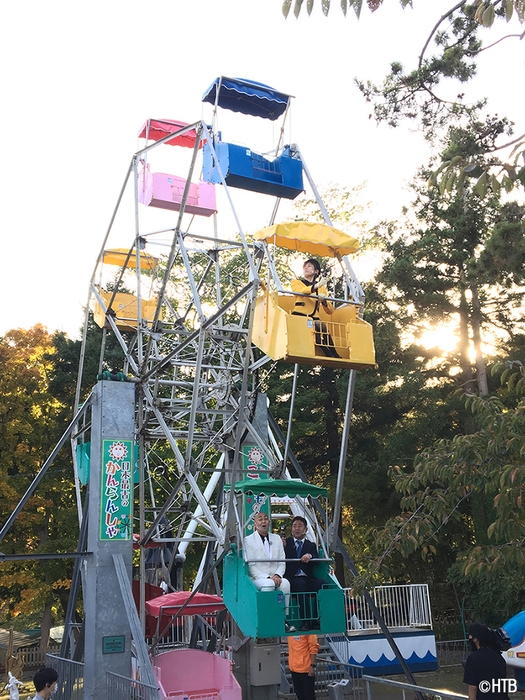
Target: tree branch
x,y
508,36
510,143
444,17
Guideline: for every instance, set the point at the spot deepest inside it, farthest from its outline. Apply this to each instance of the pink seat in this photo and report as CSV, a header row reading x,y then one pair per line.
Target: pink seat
x,y
165,191
195,674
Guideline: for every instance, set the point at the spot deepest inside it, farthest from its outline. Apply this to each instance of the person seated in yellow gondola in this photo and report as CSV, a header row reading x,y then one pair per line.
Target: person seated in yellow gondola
x,y
313,285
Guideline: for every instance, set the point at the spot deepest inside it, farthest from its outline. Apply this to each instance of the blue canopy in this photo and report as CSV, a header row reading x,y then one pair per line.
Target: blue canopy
x,y
248,97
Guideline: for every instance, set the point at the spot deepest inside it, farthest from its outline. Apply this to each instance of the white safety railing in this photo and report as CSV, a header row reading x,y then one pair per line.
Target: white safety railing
x,y
398,689
402,606
70,684
183,628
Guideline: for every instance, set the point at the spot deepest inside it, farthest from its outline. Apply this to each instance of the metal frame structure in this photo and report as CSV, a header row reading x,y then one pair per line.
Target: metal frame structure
x,y
195,369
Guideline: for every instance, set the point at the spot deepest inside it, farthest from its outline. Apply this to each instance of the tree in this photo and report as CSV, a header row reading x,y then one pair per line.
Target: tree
x,y
414,95
470,489
449,263
485,11
446,261
31,421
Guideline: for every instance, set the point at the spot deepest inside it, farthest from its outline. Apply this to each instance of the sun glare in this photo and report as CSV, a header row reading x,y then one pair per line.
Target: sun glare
x,y
442,336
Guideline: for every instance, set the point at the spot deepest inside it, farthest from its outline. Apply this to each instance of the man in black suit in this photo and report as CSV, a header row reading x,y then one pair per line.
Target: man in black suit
x,y
301,573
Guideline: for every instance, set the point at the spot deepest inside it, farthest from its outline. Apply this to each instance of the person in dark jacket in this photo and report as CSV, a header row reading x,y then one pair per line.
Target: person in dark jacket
x,y
301,573
485,668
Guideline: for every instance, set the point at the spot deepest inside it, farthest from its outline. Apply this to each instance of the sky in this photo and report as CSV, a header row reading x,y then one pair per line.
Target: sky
x,y
80,78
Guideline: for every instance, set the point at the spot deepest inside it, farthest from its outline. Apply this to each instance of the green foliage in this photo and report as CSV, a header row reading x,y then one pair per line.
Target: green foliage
x,y
452,261
468,489
457,258
356,5
412,95
345,207
503,257
471,154
32,418
492,596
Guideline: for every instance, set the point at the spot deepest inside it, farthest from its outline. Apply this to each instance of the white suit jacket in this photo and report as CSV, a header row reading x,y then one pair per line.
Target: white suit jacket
x,y
254,549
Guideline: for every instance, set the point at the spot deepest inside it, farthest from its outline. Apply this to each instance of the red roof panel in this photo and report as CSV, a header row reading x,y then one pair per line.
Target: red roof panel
x,y
156,129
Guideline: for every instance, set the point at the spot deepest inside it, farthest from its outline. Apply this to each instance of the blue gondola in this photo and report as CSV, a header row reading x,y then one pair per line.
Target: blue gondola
x,y
241,167
238,166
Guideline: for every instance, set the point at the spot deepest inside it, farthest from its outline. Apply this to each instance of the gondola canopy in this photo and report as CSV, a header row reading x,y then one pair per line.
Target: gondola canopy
x,y
157,129
247,97
172,603
309,237
280,487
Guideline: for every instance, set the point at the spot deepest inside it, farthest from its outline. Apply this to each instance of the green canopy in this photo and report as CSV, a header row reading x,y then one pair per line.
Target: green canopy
x,y
280,487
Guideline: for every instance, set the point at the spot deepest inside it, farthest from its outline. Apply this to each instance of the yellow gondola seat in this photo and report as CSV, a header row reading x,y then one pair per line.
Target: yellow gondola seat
x,y
124,309
283,336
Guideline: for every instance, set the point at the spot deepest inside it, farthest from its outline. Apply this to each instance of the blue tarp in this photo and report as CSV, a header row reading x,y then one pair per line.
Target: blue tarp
x,y
248,97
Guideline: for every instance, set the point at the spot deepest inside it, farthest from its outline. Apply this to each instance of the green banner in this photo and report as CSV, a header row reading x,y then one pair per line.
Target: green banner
x,y
116,502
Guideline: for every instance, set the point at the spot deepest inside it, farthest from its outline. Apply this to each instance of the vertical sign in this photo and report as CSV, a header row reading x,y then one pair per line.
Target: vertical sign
x,y
116,503
254,462
255,468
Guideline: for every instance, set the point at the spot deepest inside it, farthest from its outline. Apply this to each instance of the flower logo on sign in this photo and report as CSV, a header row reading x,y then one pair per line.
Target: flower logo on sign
x,y
255,455
255,463
118,450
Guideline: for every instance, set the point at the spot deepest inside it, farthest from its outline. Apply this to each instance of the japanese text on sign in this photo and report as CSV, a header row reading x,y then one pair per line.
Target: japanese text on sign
x,y
116,490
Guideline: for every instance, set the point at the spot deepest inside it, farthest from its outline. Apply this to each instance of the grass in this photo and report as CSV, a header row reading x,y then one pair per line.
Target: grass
x,y
26,691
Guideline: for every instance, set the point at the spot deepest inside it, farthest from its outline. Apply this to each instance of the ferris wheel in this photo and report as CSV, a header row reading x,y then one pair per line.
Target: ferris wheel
x,y
199,316
193,317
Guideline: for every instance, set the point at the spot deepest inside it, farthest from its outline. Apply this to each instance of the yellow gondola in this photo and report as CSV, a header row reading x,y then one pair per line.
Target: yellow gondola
x,y
124,306
291,338
119,256
124,309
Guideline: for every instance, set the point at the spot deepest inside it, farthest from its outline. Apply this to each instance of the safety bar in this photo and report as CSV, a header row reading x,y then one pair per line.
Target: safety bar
x,y
314,560
345,302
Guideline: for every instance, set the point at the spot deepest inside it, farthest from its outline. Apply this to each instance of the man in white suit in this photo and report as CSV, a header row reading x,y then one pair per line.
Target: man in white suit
x,y
261,545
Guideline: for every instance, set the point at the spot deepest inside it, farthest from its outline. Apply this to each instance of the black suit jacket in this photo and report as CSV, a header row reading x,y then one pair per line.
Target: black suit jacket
x,y
291,553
